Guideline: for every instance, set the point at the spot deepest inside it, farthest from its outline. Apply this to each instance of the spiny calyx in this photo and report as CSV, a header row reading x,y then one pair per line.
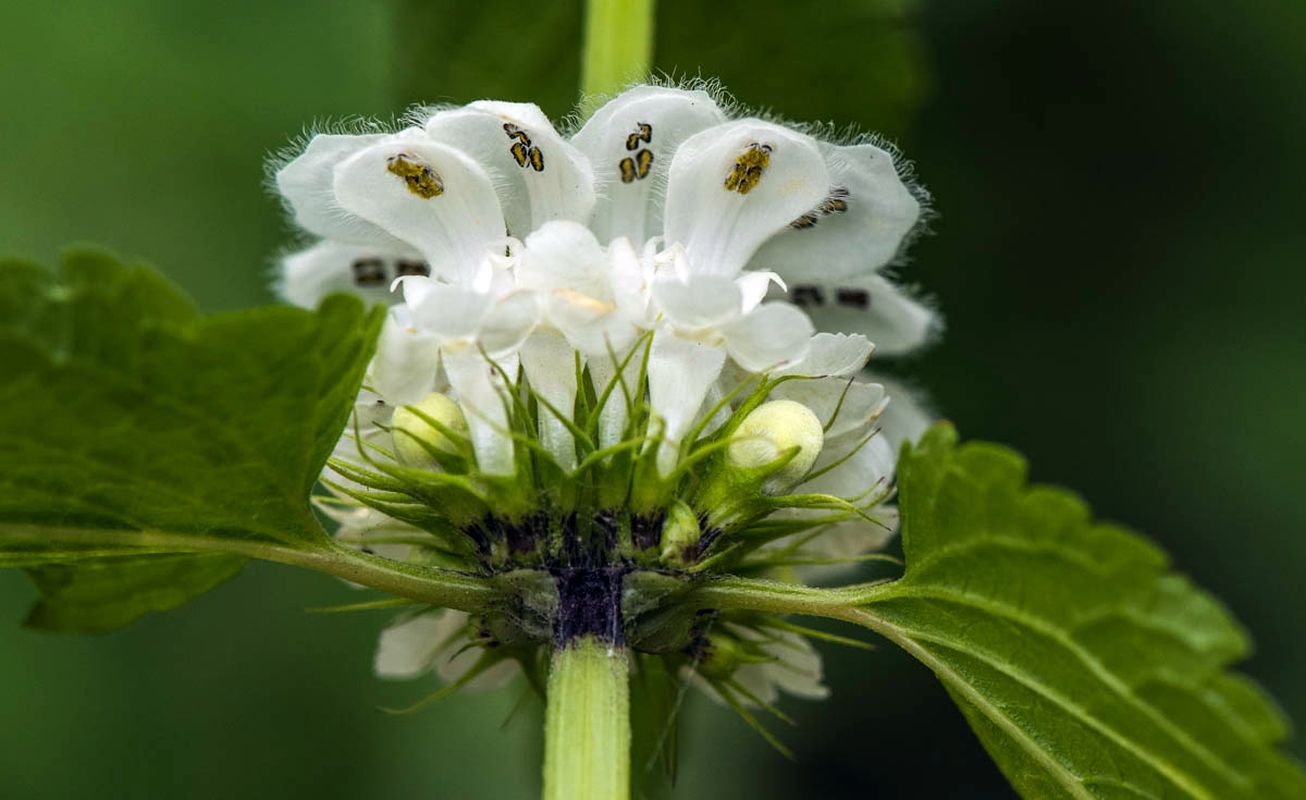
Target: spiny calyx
x,y
608,547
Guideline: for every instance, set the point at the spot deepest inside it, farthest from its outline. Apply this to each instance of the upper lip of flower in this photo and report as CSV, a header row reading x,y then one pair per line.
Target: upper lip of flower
x,y
681,197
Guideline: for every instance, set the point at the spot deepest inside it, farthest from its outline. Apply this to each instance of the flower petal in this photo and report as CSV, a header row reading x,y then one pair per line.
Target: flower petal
x,y
773,335
906,417
855,475
367,529
630,141
632,282
369,424
307,184
510,321
550,365
565,255
409,648
592,328
407,361
455,659
573,312
844,407
435,640
832,355
797,669
309,275
756,680
615,411
540,176
715,394
701,303
871,306
680,371
847,539
753,287
429,195
855,229
873,464
733,186
447,312
477,384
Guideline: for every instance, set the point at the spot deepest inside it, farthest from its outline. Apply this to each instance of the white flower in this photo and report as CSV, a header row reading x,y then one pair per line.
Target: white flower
x,y
437,641
596,302
330,266
706,318
856,463
468,329
524,269
795,669
691,218
597,297
761,665
727,198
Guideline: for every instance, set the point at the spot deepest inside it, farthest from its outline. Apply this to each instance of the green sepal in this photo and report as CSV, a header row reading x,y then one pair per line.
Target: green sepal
x,y
656,694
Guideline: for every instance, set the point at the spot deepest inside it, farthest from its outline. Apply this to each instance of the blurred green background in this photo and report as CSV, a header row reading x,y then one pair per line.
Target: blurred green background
x,y
1119,253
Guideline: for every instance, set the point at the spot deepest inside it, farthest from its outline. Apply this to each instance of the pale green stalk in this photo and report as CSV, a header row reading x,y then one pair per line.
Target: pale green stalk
x,y
587,723
618,46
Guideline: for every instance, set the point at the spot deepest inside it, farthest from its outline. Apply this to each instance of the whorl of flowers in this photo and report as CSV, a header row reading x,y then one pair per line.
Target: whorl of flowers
x,y
601,378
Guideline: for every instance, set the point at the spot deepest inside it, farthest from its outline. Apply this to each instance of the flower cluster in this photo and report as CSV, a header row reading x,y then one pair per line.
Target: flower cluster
x,y
614,363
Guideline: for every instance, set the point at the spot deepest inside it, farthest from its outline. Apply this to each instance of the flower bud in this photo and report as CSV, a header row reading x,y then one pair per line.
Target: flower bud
x,y
416,441
724,654
680,534
769,434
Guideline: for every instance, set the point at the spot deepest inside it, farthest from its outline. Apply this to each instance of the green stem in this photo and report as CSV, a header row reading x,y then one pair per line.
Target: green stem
x,y
773,597
618,45
587,723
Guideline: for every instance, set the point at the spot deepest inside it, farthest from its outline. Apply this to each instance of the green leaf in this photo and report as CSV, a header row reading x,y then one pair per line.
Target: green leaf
x,y
131,423
106,594
1086,667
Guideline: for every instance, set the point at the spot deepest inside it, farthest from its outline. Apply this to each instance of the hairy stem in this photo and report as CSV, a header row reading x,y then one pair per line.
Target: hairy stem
x,y
587,722
441,587
618,45
746,594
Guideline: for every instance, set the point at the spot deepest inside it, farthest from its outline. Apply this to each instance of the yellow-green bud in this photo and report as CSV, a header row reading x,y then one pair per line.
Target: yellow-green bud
x,y
725,653
680,534
414,437
772,430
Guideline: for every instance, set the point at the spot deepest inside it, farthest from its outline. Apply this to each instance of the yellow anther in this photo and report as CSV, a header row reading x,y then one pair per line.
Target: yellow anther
x,y
521,153
643,133
420,178
748,168
636,167
835,203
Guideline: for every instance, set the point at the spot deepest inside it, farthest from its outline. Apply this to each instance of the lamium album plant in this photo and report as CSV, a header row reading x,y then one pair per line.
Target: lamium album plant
x,y
591,406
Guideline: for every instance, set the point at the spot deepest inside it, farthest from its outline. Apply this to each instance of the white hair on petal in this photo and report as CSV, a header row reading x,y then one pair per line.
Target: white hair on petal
x,y
349,126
